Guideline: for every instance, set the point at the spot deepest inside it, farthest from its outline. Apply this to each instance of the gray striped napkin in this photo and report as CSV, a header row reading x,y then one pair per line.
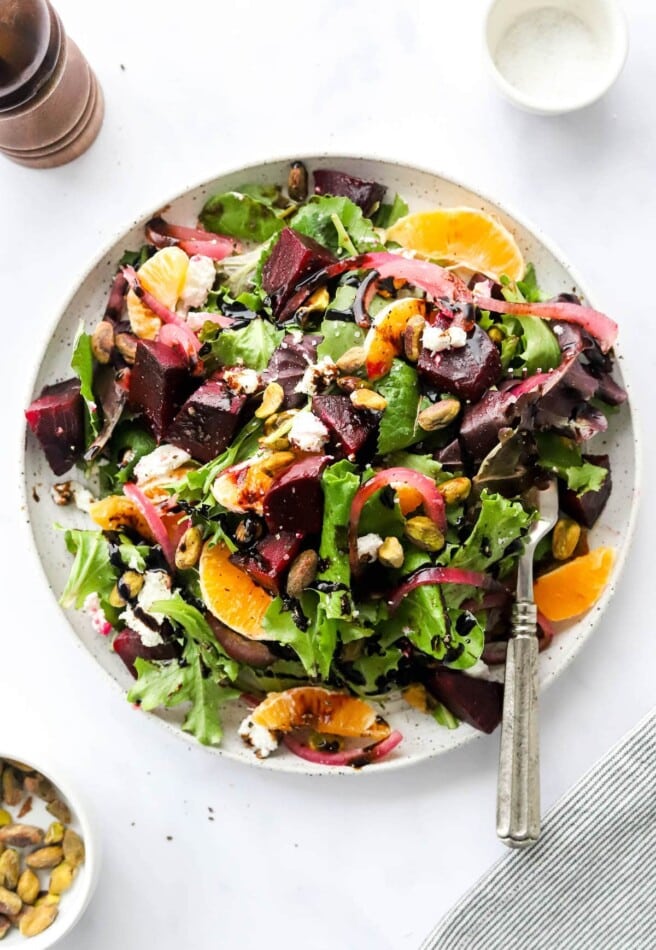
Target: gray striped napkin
x,y
589,883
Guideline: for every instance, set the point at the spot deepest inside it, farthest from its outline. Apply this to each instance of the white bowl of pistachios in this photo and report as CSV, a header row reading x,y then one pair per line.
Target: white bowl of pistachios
x,y
48,854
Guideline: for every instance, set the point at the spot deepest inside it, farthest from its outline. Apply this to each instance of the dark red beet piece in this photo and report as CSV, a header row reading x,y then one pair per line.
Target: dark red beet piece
x,y
466,372
451,456
207,422
288,364
362,192
352,431
476,701
57,420
479,431
294,257
295,500
587,507
159,383
251,652
270,559
129,647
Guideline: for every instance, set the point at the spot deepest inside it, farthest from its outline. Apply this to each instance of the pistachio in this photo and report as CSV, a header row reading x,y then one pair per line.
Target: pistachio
x,y
248,531
349,384
187,553
368,399
325,742
424,533
10,903
276,439
126,344
46,898
61,878
5,818
5,925
115,598
55,833
102,341
25,808
9,868
412,335
60,810
275,462
390,553
40,786
566,536
20,766
277,419
352,361
73,848
128,587
496,335
302,572
28,886
12,790
297,182
21,836
455,490
37,919
438,415
272,400
48,857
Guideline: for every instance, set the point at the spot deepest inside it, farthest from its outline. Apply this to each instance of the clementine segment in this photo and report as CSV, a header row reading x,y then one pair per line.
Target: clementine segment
x,y
461,236
409,498
230,594
573,588
320,709
384,340
116,512
163,275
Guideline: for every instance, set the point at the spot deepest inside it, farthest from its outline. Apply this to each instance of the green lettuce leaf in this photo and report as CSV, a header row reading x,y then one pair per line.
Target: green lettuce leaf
x,y
316,645
270,195
338,337
372,670
528,285
425,464
538,350
197,629
136,258
128,436
82,366
315,219
389,214
253,345
500,523
444,716
92,571
195,488
339,482
398,424
422,615
240,216
563,457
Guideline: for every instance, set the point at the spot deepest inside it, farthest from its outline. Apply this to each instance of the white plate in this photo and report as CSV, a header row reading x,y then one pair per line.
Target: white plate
x,y
423,738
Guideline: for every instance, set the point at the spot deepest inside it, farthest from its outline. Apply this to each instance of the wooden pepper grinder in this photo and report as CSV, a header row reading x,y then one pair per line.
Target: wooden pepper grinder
x,y
51,105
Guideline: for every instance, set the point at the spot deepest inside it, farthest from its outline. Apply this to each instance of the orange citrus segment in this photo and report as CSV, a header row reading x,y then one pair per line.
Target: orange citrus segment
x,y
461,236
573,588
163,275
322,710
116,512
409,498
416,696
230,594
384,340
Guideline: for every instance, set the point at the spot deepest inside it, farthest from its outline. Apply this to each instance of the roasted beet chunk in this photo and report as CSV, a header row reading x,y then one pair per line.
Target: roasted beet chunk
x,y
587,507
295,500
57,420
467,371
293,258
270,559
159,384
364,193
129,647
476,701
207,422
352,431
288,364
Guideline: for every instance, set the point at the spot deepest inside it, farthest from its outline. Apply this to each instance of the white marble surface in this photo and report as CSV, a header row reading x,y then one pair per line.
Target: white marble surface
x,y
370,861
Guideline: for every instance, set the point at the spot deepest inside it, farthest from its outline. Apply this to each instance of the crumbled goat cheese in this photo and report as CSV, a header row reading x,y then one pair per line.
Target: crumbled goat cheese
x,y
368,546
82,497
317,377
308,433
198,282
480,670
161,461
261,740
156,586
436,340
242,380
99,621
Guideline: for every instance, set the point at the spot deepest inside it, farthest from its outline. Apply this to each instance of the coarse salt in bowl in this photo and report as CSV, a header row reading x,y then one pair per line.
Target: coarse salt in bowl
x,y
555,56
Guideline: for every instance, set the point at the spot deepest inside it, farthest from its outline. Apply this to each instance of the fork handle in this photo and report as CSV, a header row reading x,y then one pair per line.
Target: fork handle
x,y
518,793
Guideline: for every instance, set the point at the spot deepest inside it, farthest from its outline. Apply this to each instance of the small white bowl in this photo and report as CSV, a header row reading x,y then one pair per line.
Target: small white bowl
x,y
586,57
73,902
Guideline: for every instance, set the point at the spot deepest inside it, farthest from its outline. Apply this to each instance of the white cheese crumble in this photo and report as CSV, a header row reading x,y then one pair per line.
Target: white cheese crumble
x,y
479,670
82,497
317,377
261,740
436,339
198,282
99,621
308,433
156,586
242,380
148,636
161,461
368,546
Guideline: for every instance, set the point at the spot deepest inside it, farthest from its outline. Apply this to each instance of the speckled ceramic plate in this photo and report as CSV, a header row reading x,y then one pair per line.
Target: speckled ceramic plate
x,y
423,738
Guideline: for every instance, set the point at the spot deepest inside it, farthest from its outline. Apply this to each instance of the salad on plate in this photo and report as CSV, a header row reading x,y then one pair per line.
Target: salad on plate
x,y
306,428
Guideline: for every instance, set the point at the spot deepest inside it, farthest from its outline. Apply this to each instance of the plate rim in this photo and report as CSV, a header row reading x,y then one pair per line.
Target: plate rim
x,y
281,764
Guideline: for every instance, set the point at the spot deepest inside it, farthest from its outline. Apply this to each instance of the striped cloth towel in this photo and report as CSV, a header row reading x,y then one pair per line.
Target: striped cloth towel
x,y
590,881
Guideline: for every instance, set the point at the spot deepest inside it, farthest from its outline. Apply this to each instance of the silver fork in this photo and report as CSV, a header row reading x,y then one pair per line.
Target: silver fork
x,y
518,791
